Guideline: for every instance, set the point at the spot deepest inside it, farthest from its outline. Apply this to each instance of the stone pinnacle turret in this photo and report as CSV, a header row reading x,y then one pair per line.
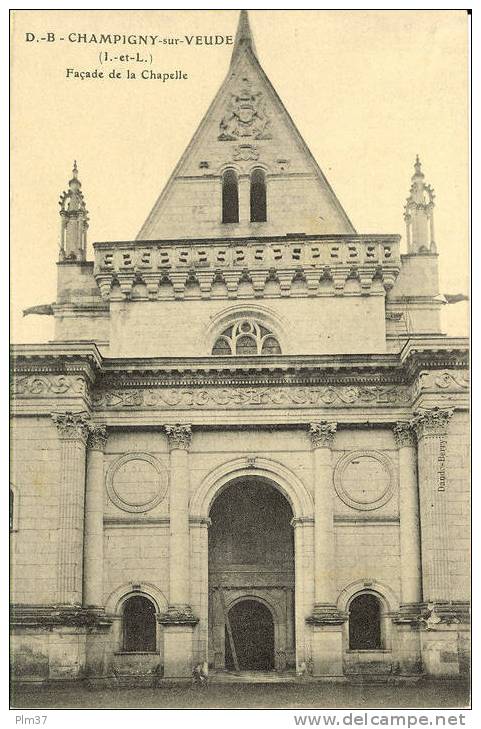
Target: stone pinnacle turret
x,y
418,214
74,221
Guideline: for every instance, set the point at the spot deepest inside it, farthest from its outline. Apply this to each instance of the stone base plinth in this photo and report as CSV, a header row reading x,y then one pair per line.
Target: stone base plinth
x,y
440,650
56,643
178,654
327,650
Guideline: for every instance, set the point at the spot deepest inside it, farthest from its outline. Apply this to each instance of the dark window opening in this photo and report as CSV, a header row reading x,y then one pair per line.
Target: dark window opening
x,y
252,633
230,197
12,506
246,345
139,625
258,197
271,346
365,623
222,347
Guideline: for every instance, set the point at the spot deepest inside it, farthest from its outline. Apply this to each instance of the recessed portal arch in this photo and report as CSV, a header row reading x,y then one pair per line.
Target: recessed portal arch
x,y
285,480
251,576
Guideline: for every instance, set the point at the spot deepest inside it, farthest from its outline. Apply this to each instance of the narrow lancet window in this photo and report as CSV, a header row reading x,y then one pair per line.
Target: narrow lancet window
x,y
258,197
230,197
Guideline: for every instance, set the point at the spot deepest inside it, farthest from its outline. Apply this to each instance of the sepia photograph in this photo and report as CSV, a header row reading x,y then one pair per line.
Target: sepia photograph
x,y
240,407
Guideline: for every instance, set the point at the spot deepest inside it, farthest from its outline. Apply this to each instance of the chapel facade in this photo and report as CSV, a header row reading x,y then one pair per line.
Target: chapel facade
x,y
248,443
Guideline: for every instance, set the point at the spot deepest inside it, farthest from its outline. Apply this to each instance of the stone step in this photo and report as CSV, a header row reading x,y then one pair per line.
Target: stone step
x,y
250,677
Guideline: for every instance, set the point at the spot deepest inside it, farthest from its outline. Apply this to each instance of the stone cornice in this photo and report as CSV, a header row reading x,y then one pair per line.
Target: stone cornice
x,y
433,616
434,353
63,372
180,243
428,353
49,616
50,353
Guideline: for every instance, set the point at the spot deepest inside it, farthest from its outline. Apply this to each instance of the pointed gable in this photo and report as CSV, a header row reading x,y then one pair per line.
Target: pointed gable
x,y
246,127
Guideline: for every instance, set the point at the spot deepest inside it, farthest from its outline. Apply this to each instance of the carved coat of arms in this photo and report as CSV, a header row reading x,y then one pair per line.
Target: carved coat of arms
x,y
246,115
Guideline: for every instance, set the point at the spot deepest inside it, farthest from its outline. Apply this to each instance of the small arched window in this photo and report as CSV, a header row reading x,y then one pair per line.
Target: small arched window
x,y
246,338
365,623
230,197
258,197
139,625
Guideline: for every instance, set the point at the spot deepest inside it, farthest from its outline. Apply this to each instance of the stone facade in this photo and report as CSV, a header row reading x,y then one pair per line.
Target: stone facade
x,y
298,480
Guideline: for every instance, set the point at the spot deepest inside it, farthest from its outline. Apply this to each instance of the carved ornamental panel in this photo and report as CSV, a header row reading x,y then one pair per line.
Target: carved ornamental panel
x,y
246,114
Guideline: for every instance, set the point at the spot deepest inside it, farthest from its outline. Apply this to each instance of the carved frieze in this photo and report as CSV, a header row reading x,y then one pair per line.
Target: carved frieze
x,y
322,434
179,436
239,397
448,380
48,386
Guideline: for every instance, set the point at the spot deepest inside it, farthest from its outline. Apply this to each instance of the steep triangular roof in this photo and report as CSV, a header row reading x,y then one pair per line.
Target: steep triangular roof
x,y
245,126
243,38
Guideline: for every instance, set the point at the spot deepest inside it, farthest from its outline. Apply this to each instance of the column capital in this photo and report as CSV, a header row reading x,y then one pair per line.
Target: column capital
x,y
72,426
322,434
404,434
97,437
179,436
433,422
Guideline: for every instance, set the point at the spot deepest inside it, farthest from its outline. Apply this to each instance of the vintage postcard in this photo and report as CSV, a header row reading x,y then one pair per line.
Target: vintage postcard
x,y
240,450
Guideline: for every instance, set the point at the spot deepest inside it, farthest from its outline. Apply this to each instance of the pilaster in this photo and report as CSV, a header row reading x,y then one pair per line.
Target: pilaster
x,y
322,436
94,512
431,430
72,431
199,540
179,621
410,540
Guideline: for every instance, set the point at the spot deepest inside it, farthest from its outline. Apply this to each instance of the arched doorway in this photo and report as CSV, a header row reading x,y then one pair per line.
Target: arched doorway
x,y
251,566
251,637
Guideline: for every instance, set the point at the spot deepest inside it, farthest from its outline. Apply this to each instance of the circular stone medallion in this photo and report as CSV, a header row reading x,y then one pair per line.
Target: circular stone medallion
x,y
136,482
364,480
